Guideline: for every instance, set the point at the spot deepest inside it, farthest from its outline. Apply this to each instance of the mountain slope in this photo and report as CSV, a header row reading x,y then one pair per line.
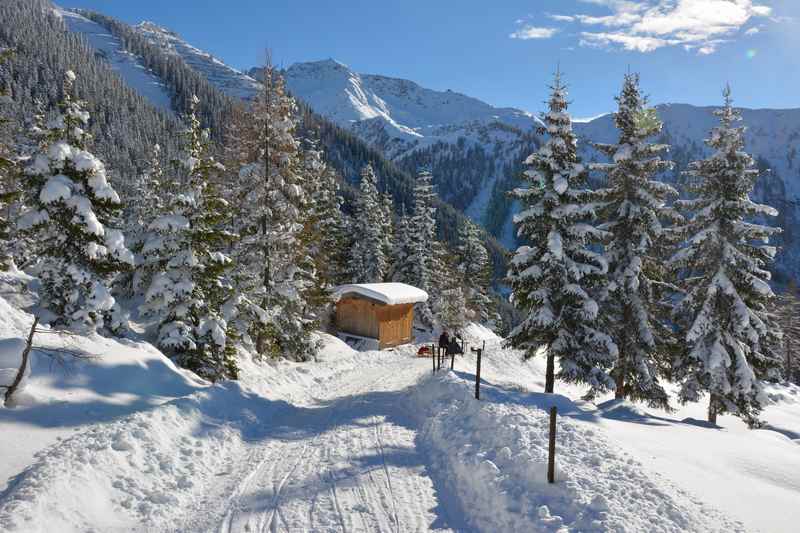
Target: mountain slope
x,y
468,144
409,112
111,49
229,80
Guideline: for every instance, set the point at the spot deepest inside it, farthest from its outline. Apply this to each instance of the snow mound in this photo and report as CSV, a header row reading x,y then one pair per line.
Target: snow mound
x,y
491,456
387,293
125,475
475,333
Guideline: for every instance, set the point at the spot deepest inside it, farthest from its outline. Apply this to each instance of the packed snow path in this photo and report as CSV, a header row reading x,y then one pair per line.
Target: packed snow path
x,y
345,463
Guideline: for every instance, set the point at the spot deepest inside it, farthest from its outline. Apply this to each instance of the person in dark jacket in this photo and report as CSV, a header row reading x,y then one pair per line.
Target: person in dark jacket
x,y
454,347
444,340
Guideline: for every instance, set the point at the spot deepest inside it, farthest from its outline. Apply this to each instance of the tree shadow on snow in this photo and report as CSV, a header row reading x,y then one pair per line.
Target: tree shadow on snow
x,y
519,396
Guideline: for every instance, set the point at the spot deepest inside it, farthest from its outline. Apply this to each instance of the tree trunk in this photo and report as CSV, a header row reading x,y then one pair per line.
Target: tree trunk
x,y
550,377
619,394
23,365
712,409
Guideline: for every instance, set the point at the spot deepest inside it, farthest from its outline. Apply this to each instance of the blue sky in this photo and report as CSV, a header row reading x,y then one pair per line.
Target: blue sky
x,y
504,52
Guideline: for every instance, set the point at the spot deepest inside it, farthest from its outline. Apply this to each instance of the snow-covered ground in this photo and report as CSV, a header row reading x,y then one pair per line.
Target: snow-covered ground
x,y
370,441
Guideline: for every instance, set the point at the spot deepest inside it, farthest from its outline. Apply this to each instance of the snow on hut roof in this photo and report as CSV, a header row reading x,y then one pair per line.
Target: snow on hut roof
x,y
387,293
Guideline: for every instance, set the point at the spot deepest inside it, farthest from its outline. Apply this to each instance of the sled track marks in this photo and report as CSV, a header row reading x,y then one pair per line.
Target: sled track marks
x,y
350,468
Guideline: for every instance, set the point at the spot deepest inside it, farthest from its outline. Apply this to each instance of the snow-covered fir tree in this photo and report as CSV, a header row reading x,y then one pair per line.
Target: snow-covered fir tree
x,y
555,276
448,301
9,188
787,312
635,212
475,272
71,215
147,204
388,230
402,249
191,287
272,206
730,342
324,233
421,263
368,259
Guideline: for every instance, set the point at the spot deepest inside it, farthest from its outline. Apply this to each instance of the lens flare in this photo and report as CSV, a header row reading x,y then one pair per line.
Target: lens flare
x,y
751,53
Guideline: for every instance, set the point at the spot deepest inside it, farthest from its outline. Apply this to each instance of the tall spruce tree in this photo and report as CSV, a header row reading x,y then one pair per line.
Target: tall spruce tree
x,y
149,191
186,245
272,204
554,277
323,233
402,249
9,187
368,259
475,271
388,230
71,215
723,318
788,315
634,211
421,264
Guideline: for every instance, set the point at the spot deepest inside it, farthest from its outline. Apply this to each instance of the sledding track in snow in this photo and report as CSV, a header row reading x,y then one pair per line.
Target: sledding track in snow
x,y
346,463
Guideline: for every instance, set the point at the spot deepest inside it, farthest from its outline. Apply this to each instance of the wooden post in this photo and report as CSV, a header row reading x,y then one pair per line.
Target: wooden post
x,y
478,372
433,358
23,365
551,452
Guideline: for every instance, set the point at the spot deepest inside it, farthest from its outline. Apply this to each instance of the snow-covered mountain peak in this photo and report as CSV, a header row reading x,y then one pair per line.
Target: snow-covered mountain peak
x,y
393,111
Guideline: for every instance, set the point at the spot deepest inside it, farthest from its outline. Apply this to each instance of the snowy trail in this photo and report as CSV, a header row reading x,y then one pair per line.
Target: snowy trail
x,y
371,442
345,463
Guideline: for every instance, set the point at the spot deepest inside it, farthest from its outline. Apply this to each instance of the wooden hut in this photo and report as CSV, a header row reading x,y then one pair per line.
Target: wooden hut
x,y
382,312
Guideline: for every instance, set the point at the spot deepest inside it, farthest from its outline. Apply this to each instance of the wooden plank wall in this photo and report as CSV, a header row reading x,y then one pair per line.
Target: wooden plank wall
x,y
395,324
390,324
358,316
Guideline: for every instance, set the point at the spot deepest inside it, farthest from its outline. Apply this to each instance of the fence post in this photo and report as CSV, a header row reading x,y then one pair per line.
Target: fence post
x,y
478,372
551,452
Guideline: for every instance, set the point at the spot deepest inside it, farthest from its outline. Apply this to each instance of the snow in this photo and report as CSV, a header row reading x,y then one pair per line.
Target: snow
x,y
398,115
387,293
492,457
58,187
224,77
371,442
10,362
129,67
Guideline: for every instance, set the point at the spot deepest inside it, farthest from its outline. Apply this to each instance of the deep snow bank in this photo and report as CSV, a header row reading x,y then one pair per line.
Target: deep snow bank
x,y
491,455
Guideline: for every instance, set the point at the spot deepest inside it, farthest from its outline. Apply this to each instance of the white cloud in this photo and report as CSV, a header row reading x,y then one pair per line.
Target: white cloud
x,y
633,43
561,18
647,25
533,32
